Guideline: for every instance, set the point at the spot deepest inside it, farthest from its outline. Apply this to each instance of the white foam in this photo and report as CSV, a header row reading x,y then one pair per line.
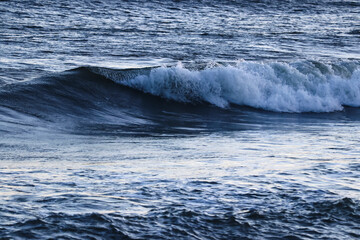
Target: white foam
x,y
280,87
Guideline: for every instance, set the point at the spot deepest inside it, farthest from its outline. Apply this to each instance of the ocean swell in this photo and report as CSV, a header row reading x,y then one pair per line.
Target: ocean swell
x,y
306,86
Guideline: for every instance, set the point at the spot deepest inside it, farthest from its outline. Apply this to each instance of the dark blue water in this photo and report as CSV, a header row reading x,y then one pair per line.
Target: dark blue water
x,y
179,119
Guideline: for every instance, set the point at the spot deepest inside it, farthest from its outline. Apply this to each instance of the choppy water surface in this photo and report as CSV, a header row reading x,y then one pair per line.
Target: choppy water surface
x,y
300,183
48,35
179,120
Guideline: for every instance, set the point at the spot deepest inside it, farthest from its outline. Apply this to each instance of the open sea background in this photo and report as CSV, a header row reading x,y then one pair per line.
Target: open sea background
x,y
180,119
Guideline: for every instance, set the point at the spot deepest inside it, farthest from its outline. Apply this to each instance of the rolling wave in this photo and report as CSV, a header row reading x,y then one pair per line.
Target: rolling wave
x,y
163,98
307,86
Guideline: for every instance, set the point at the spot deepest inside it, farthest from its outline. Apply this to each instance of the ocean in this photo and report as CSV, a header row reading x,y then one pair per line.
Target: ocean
x,y
180,119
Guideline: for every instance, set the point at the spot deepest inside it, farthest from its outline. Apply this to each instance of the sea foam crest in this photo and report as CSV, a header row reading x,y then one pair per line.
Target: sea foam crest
x,y
299,87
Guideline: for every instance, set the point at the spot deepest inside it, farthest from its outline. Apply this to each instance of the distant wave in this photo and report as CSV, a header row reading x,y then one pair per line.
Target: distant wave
x,y
306,86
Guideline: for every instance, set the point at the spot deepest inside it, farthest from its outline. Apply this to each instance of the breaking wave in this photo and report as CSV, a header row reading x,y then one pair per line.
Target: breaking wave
x,y
181,99
307,86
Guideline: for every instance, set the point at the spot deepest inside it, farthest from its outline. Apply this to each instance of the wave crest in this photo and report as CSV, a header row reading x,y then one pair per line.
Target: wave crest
x,y
307,86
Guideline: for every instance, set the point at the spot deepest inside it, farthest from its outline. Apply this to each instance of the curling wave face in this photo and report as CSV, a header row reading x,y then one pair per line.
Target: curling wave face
x,y
178,99
306,86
